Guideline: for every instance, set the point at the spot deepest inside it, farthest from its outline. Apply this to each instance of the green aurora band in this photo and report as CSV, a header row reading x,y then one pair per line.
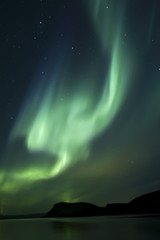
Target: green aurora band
x,y
65,129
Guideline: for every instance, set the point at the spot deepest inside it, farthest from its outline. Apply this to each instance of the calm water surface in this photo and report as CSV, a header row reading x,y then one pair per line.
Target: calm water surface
x,y
120,228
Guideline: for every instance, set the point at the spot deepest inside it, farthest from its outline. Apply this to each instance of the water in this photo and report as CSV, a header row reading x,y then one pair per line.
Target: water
x,y
119,228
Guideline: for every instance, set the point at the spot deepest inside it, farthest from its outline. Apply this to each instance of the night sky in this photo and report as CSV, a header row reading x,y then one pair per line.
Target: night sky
x,y
79,102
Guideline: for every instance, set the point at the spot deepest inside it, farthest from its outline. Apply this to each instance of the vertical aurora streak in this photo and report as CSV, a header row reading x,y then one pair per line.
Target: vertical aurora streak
x,y
66,128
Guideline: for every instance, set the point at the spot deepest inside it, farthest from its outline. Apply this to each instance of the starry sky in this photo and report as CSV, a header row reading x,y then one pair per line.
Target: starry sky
x,y
79,102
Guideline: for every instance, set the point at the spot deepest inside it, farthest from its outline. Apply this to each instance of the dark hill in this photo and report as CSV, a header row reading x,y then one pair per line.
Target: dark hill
x,y
79,209
146,204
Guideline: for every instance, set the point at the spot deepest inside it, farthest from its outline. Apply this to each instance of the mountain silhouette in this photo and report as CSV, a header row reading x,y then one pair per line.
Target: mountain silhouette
x,y
145,204
148,205
79,209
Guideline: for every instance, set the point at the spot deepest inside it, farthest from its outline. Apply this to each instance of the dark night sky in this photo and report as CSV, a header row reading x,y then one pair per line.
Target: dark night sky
x,y
79,102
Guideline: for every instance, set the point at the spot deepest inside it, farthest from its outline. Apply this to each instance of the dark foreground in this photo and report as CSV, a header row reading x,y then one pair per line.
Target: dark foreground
x,y
106,227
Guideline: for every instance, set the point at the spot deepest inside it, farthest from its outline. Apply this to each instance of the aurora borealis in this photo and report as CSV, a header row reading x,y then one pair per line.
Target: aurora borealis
x,y
82,119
